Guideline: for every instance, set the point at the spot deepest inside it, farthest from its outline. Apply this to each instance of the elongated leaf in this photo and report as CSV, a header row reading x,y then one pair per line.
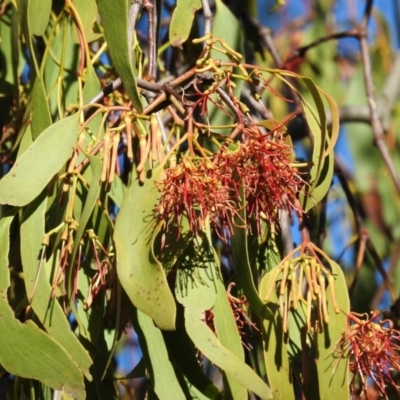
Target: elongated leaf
x,y
182,353
208,344
324,141
196,278
38,16
227,332
27,351
275,353
162,374
140,274
43,159
242,245
96,166
116,35
87,10
41,117
47,309
333,374
182,21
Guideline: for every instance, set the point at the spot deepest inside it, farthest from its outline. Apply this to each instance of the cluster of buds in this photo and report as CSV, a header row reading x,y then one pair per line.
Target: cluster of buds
x,y
303,281
373,348
207,190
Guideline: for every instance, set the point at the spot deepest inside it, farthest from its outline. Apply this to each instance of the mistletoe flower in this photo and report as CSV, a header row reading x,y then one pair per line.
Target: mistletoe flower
x,y
195,191
373,347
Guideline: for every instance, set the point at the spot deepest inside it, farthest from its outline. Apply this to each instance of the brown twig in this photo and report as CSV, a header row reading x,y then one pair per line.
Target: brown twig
x,y
151,9
376,124
134,10
363,232
208,16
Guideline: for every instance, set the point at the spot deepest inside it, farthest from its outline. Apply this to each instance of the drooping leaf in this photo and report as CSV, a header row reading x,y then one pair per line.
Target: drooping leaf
x,y
227,332
275,353
140,274
323,140
27,351
41,117
242,246
196,281
87,10
182,21
90,201
208,344
38,16
40,162
116,35
182,353
333,374
162,373
46,308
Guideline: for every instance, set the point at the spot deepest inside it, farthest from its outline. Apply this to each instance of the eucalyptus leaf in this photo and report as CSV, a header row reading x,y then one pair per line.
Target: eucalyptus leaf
x,y
40,162
182,21
162,373
46,308
139,272
94,189
196,281
275,352
41,115
242,245
38,15
118,45
333,373
27,351
208,344
87,11
183,354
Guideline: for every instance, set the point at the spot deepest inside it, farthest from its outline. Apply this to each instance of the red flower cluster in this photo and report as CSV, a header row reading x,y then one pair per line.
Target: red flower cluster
x,y
207,190
374,350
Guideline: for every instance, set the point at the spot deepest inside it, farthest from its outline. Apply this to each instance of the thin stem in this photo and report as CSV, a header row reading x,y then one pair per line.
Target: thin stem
x,y
134,10
152,42
208,17
376,124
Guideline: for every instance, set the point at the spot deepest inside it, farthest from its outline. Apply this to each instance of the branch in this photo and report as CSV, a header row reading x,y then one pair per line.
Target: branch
x,y
151,10
208,17
390,93
376,124
134,10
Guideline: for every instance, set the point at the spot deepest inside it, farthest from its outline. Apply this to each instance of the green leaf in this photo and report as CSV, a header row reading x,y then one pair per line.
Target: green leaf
x,y
182,353
47,309
38,16
205,340
140,274
182,21
41,117
322,157
227,332
228,335
96,166
27,351
43,159
162,374
275,353
87,10
116,35
333,374
242,246
196,280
